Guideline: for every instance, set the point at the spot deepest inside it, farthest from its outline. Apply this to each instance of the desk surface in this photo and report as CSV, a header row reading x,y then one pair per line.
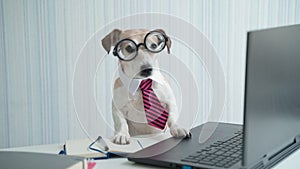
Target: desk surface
x,y
291,162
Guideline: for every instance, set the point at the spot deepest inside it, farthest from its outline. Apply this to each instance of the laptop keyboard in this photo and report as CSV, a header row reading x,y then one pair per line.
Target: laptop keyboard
x,y
219,154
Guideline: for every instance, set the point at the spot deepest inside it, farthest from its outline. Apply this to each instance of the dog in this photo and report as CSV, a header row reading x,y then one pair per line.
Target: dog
x,y
138,50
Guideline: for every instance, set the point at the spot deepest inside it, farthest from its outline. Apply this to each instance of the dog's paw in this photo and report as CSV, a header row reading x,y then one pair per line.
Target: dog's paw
x,y
177,131
121,139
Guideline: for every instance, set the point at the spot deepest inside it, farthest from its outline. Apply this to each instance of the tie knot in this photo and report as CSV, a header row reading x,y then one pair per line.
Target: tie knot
x,y
146,84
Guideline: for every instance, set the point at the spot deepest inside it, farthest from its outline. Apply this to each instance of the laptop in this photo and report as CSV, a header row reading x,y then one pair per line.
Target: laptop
x,y
271,128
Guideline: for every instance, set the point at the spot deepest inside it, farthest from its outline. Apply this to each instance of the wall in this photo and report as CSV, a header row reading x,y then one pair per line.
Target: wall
x,y
40,42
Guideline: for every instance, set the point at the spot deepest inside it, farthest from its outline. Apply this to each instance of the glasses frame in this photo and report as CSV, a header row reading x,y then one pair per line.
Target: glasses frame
x,y
115,53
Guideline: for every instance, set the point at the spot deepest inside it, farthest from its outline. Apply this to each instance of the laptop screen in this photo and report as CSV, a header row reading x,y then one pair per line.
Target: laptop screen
x,y
272,92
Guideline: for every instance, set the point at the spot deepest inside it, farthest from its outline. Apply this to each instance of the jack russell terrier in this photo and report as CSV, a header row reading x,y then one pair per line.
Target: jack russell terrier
x,y
143,101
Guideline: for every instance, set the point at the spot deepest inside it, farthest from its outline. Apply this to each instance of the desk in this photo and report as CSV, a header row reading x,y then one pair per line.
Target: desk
x,y
293,161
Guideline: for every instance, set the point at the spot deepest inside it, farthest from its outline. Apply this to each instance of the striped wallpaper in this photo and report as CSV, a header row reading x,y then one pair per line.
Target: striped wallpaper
x,y
40,41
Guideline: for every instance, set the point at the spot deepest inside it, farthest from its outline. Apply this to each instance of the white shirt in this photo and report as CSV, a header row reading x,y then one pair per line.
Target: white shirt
x,y
132,85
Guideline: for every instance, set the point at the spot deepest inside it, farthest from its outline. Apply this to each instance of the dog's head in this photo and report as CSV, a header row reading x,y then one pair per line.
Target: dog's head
x,y
137,49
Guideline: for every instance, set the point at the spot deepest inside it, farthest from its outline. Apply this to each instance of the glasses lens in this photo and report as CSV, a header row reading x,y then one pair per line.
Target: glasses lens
x,y
127,50
155,42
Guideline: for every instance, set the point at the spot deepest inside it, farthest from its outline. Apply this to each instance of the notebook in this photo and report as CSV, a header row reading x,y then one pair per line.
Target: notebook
x,y
101,148
10,159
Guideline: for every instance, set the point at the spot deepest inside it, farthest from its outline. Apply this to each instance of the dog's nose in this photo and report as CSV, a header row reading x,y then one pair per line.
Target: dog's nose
x,y
146,70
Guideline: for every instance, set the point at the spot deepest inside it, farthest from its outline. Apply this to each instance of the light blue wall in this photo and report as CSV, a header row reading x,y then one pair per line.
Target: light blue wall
x,y
40,41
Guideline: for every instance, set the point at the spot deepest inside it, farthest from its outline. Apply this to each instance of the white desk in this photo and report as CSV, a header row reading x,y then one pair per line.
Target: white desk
x,y
292,162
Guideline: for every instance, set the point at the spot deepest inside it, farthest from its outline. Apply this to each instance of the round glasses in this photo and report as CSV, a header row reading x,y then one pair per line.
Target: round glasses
x,y
127,49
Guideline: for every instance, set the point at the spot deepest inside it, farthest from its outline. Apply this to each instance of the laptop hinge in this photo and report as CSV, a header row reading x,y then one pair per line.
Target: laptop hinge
x,y
273,158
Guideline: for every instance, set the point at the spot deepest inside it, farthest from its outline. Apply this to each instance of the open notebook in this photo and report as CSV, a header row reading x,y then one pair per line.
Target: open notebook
x,y
104,147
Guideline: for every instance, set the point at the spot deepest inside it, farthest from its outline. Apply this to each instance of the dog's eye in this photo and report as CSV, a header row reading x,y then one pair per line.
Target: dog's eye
x,y
129,49
153,46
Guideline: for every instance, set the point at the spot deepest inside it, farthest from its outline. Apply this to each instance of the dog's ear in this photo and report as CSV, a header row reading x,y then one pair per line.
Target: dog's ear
x,y
111,39
169,42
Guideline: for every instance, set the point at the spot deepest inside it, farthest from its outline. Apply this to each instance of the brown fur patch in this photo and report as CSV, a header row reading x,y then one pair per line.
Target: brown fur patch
x,y
118,83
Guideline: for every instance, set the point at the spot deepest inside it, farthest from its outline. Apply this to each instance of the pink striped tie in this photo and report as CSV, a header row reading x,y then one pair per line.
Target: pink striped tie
x,y
156,114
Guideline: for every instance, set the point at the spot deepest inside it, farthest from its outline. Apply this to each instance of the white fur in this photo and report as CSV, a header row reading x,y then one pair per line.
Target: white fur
x,y
128,110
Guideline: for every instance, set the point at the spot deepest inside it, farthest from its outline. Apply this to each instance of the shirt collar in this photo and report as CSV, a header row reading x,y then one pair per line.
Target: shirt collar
x,y
132,85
